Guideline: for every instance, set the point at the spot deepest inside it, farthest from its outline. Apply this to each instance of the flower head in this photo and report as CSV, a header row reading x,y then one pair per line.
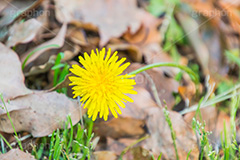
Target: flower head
x,y
100,83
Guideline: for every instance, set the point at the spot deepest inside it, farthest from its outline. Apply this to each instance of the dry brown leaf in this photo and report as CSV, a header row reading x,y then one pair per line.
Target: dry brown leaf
x,y
23,32
11,76
187,91
111,17
10,108
16,154
134,52
147,33
16,8
231,2
160,137
233,15
160,140
137,152
120,127
3,4
77,36
120,144
47,112
42,68
104,155
65,83
58,40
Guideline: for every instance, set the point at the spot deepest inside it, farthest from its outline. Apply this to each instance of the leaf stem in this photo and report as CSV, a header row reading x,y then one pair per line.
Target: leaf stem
x,y
36,50
166,64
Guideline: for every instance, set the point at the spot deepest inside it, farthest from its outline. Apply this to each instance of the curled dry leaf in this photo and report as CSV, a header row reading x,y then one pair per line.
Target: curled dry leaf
x,y
47,112
56,42
11,76
16,8
65,83
77,36
111,17
147,33
134,52
16,154
23,32
42,68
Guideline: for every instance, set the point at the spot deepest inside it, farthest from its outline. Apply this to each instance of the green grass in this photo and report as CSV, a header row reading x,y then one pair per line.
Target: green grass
x,y
229,144
70,143
34,51
173,135
60,72
10,119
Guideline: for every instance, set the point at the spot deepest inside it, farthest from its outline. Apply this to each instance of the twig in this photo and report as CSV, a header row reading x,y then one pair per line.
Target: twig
x,y
154,89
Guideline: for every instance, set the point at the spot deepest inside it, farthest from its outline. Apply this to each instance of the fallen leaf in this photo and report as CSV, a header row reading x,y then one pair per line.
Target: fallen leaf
x,y
16,154
147,33
133,51
118,145
42,68
48,111
11,76
65,83
120,127
16,8
160,137
77,36
3,4
104,155
187,91
10,108
136,152
56,42
142,102
111,17
160,140
23,32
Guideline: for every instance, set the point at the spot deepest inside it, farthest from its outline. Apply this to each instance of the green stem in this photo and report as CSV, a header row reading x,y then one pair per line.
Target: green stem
x,y
9,117
36,50
150,66
131,145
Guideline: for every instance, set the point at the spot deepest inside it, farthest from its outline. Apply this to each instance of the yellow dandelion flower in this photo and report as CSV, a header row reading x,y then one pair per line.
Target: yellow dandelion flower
x,y
100,83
